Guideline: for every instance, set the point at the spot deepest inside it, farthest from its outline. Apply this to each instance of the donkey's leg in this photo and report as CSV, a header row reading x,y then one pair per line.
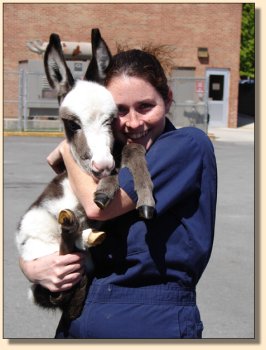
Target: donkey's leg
x,y
71,301
70,230
133,157
73,309
43,296
72,225
106,190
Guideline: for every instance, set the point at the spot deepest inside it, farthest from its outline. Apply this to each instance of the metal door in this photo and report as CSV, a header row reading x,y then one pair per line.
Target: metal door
x,y
217,96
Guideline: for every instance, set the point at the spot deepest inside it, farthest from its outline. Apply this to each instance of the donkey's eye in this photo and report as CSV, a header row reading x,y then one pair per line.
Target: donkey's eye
x,y
107,122
72,126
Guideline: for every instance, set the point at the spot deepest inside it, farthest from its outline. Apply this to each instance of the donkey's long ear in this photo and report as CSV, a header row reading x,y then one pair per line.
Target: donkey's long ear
x,y
101,58
57,72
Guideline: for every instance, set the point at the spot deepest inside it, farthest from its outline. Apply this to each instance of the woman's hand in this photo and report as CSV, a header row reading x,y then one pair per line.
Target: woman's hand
x,y
55,272
55,159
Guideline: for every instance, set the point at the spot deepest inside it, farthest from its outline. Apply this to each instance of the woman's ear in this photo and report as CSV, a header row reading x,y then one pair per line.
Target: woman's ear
x,y
169,100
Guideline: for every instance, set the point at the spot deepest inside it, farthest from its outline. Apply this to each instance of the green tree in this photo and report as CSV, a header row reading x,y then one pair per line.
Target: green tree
x,y
247,51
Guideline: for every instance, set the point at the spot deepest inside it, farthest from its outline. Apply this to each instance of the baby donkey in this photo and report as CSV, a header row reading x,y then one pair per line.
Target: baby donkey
x,y
56,221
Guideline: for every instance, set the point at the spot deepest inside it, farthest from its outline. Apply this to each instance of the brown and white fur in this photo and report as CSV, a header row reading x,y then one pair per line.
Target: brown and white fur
x,y
56,221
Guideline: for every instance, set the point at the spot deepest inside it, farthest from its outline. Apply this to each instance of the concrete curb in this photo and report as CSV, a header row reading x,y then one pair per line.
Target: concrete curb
x,y
34,133
55,134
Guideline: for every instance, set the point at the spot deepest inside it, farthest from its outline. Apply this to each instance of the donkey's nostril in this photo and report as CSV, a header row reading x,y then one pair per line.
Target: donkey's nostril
x,y
96,167
102,165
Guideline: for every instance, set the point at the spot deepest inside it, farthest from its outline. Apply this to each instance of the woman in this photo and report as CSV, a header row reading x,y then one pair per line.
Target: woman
x,y
146,272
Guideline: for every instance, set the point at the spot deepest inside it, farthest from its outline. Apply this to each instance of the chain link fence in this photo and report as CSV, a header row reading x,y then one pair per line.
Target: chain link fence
x,y
34,105
189,106
30,103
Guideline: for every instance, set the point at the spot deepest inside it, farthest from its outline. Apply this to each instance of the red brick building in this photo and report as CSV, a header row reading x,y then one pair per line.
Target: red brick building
x,y
188,28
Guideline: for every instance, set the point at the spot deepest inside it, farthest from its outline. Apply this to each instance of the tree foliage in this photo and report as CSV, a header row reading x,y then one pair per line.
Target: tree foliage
x,y
247,51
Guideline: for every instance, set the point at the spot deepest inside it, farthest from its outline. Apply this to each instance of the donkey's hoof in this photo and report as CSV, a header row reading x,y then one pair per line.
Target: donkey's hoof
x,y
146,212
66,217
101,200
96,238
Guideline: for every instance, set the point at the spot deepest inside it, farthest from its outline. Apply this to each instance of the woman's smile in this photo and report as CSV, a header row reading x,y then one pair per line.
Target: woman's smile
x,y
136,135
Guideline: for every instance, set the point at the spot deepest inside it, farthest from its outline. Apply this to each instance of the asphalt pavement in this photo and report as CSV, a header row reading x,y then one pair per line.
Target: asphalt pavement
x,y
226,290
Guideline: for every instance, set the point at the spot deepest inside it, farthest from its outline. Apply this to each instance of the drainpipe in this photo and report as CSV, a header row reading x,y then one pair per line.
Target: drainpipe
x,y
79,51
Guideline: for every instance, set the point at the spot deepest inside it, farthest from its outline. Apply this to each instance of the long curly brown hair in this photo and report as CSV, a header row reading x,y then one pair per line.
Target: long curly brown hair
x,y
148,63
164,53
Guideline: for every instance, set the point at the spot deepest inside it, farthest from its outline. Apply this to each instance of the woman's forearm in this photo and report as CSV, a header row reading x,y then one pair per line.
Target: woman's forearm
x,y
84,187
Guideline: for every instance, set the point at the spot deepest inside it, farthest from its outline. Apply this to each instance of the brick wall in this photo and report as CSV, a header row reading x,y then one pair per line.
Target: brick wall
x,y
184,26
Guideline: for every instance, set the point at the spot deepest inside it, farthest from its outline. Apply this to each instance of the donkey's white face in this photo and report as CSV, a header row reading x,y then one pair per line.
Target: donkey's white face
x,y
87,112
87,108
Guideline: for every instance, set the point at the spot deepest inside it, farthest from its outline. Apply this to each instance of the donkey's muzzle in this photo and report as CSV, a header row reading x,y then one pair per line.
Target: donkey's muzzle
x,y
102,169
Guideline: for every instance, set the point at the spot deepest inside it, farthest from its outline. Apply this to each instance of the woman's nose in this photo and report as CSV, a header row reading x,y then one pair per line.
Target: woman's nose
x,y
133,120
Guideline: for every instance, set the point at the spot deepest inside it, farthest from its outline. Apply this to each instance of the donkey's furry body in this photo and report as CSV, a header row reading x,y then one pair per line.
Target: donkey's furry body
x,y
56,221
39,232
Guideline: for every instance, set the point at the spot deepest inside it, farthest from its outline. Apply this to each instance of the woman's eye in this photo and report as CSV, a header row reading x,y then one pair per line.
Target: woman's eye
x,y
145,107
122,111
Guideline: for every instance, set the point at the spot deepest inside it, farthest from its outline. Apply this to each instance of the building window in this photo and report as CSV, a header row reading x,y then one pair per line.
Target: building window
x,y
216,87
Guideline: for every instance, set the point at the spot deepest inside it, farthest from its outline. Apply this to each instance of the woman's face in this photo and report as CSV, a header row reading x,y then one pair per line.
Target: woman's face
x,y
141,110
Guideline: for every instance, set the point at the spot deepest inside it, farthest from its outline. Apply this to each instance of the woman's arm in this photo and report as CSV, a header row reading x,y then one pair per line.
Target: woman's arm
x,y
54,272
84,187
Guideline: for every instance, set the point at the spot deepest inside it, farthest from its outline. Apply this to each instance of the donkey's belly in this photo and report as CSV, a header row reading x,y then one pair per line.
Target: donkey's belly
x,y
39,231
38,234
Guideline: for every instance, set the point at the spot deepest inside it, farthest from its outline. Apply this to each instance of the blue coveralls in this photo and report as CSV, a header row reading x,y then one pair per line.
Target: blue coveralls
x,y
146,271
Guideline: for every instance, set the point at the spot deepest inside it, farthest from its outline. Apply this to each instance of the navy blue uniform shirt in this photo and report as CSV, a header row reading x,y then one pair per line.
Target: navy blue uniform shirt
x,y
146,270
176,245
